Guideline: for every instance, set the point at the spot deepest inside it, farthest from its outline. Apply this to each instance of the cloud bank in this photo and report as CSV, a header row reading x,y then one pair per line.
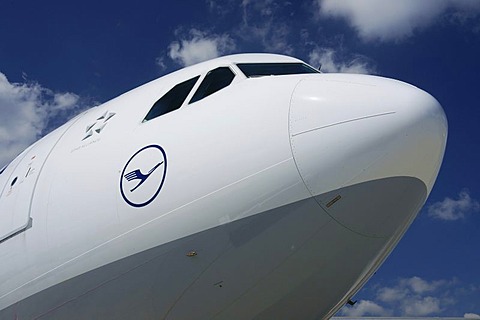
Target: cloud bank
x,y
451,209
27,110
393,20
365,308
329,60
415,296
264,24
407,297
199,46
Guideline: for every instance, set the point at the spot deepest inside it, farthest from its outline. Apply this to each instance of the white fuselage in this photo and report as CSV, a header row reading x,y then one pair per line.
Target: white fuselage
x,y
276,197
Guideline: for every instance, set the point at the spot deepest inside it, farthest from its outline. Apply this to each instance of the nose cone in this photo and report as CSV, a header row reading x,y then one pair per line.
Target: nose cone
x,y
373,144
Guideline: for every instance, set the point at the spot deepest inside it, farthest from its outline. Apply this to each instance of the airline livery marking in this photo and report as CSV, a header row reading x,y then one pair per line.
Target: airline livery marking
x,y
149,159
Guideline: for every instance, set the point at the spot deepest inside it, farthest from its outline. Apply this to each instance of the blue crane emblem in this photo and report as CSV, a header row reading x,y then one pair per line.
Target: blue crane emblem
x,y
147,169
137,174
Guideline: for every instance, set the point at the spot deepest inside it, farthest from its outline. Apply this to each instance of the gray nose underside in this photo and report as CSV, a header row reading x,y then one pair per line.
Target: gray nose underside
x,y
376,208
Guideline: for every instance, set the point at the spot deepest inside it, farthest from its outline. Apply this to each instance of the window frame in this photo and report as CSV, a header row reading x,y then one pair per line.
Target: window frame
x,y
252,75
196,78
204,75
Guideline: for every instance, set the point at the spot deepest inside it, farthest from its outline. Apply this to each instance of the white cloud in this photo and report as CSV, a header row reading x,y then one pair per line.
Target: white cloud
x,y
25,112
391,294
450,209
422,307
199,46
420,286
393,20
415,296
365,308
408,288
160,62
329,61
62,101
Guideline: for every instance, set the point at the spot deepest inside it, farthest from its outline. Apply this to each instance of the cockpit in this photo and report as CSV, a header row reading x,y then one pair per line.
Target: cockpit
x,y
215,80
218,79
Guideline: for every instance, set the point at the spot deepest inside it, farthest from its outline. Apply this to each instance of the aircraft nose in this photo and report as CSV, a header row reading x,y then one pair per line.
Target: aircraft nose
x,y
368,148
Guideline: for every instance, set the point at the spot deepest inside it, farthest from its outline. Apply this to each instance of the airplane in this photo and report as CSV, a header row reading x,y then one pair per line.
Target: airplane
x,y
250,186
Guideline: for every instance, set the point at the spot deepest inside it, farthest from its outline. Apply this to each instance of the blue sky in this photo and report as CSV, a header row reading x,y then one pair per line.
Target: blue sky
x,y
58,58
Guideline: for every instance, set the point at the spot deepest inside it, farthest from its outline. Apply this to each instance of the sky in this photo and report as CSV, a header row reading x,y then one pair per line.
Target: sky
x,y
58,58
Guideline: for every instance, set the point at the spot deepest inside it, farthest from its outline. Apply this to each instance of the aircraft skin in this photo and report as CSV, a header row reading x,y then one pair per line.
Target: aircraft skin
x,y
276,197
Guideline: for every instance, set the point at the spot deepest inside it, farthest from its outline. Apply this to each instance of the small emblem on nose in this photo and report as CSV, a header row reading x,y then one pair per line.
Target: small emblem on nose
x,y
138,175
143,176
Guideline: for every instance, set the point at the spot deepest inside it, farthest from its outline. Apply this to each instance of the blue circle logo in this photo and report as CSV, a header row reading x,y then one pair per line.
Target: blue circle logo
x,y
143,176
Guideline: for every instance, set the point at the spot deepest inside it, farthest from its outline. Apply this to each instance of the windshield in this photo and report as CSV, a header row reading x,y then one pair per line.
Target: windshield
x,y
274,69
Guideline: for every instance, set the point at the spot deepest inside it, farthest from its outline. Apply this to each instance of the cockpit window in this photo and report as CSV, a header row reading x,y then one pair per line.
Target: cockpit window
x,y
214,81
171,100
274,69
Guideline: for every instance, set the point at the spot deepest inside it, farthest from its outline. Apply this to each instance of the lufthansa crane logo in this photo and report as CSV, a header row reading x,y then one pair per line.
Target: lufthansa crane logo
x,y
143,176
